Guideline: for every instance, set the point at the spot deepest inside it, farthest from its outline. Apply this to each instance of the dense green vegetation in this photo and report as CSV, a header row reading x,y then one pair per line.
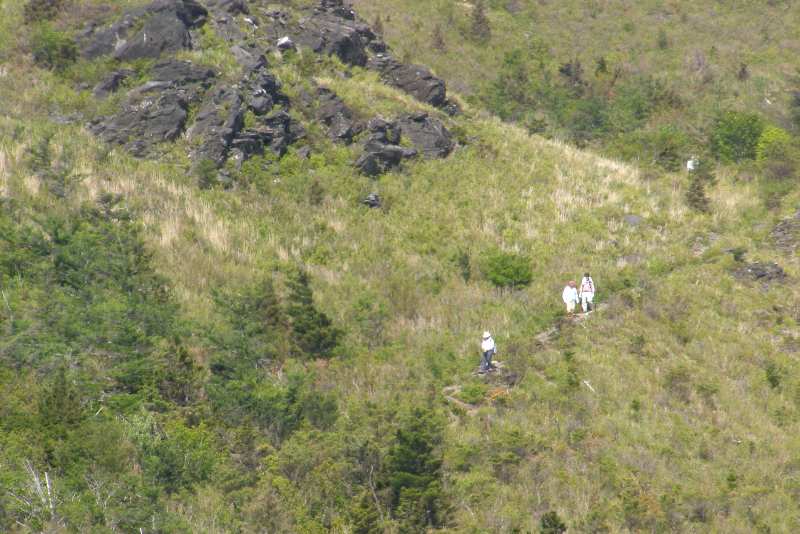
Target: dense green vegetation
x,y
271,355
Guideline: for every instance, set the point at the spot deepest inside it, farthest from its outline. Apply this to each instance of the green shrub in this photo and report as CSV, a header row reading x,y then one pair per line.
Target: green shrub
x,y
773,143
735,135
778,154
508,270
551,523
52,49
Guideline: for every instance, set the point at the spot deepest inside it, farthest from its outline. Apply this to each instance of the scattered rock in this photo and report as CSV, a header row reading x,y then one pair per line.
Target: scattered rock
x,y
415,80
633,220
162,26
382,151
427,134
285,43
761,272
337,117
786,235
304,152
111,83
372,200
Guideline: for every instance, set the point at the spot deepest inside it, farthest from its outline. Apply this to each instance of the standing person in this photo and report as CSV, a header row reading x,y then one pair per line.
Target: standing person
x,y
570,297
587,293
488,349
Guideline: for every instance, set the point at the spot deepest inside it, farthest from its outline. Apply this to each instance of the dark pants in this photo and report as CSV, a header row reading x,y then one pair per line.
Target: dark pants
x,y
486,361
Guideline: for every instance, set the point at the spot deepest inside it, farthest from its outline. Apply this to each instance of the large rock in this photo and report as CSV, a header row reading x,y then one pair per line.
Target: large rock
x,y
333,29
111,83
427,134
219,120
148,118
182,74
382,151
415,80
336,117
146,32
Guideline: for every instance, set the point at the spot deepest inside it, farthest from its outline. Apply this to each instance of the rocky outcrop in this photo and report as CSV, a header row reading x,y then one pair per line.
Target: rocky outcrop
x,y
337,117
428,135
158,110
148,32
382,150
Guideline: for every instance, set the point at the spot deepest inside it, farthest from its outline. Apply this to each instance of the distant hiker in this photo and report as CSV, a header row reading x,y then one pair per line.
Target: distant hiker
x,y
570,297
488,349
587,293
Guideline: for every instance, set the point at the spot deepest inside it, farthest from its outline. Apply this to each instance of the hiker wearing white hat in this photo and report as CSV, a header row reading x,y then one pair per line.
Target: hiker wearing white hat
x,y
488,349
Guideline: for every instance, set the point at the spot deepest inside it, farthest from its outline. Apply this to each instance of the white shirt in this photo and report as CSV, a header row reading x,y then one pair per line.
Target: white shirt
x,y
570,294
587,285
487,344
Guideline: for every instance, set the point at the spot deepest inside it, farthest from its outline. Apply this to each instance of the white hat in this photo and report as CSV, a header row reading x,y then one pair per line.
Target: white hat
x,y
486,335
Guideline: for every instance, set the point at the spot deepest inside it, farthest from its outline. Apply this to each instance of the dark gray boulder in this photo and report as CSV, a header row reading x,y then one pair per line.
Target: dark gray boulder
x,y
111,83
182,73
382,151
250,60
233,7
337,117
415,80
428,135
147,119
162,26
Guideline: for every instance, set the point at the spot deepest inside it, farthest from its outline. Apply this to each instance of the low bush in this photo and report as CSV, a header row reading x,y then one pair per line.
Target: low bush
x,y
508,270
53,49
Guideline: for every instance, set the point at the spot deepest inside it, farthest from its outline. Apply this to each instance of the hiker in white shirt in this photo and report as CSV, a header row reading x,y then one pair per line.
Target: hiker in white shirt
x,y
587,290
488,349
570,297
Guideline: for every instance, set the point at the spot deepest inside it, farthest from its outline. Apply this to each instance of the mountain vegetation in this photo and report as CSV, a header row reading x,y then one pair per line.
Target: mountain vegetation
x,y
243,278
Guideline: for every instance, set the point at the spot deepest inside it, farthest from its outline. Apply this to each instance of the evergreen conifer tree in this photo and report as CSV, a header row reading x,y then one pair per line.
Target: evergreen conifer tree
x,y
312,331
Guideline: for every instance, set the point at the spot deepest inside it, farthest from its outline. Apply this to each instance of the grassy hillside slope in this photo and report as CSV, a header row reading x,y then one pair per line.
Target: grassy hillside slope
x,y
591,65
140,369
